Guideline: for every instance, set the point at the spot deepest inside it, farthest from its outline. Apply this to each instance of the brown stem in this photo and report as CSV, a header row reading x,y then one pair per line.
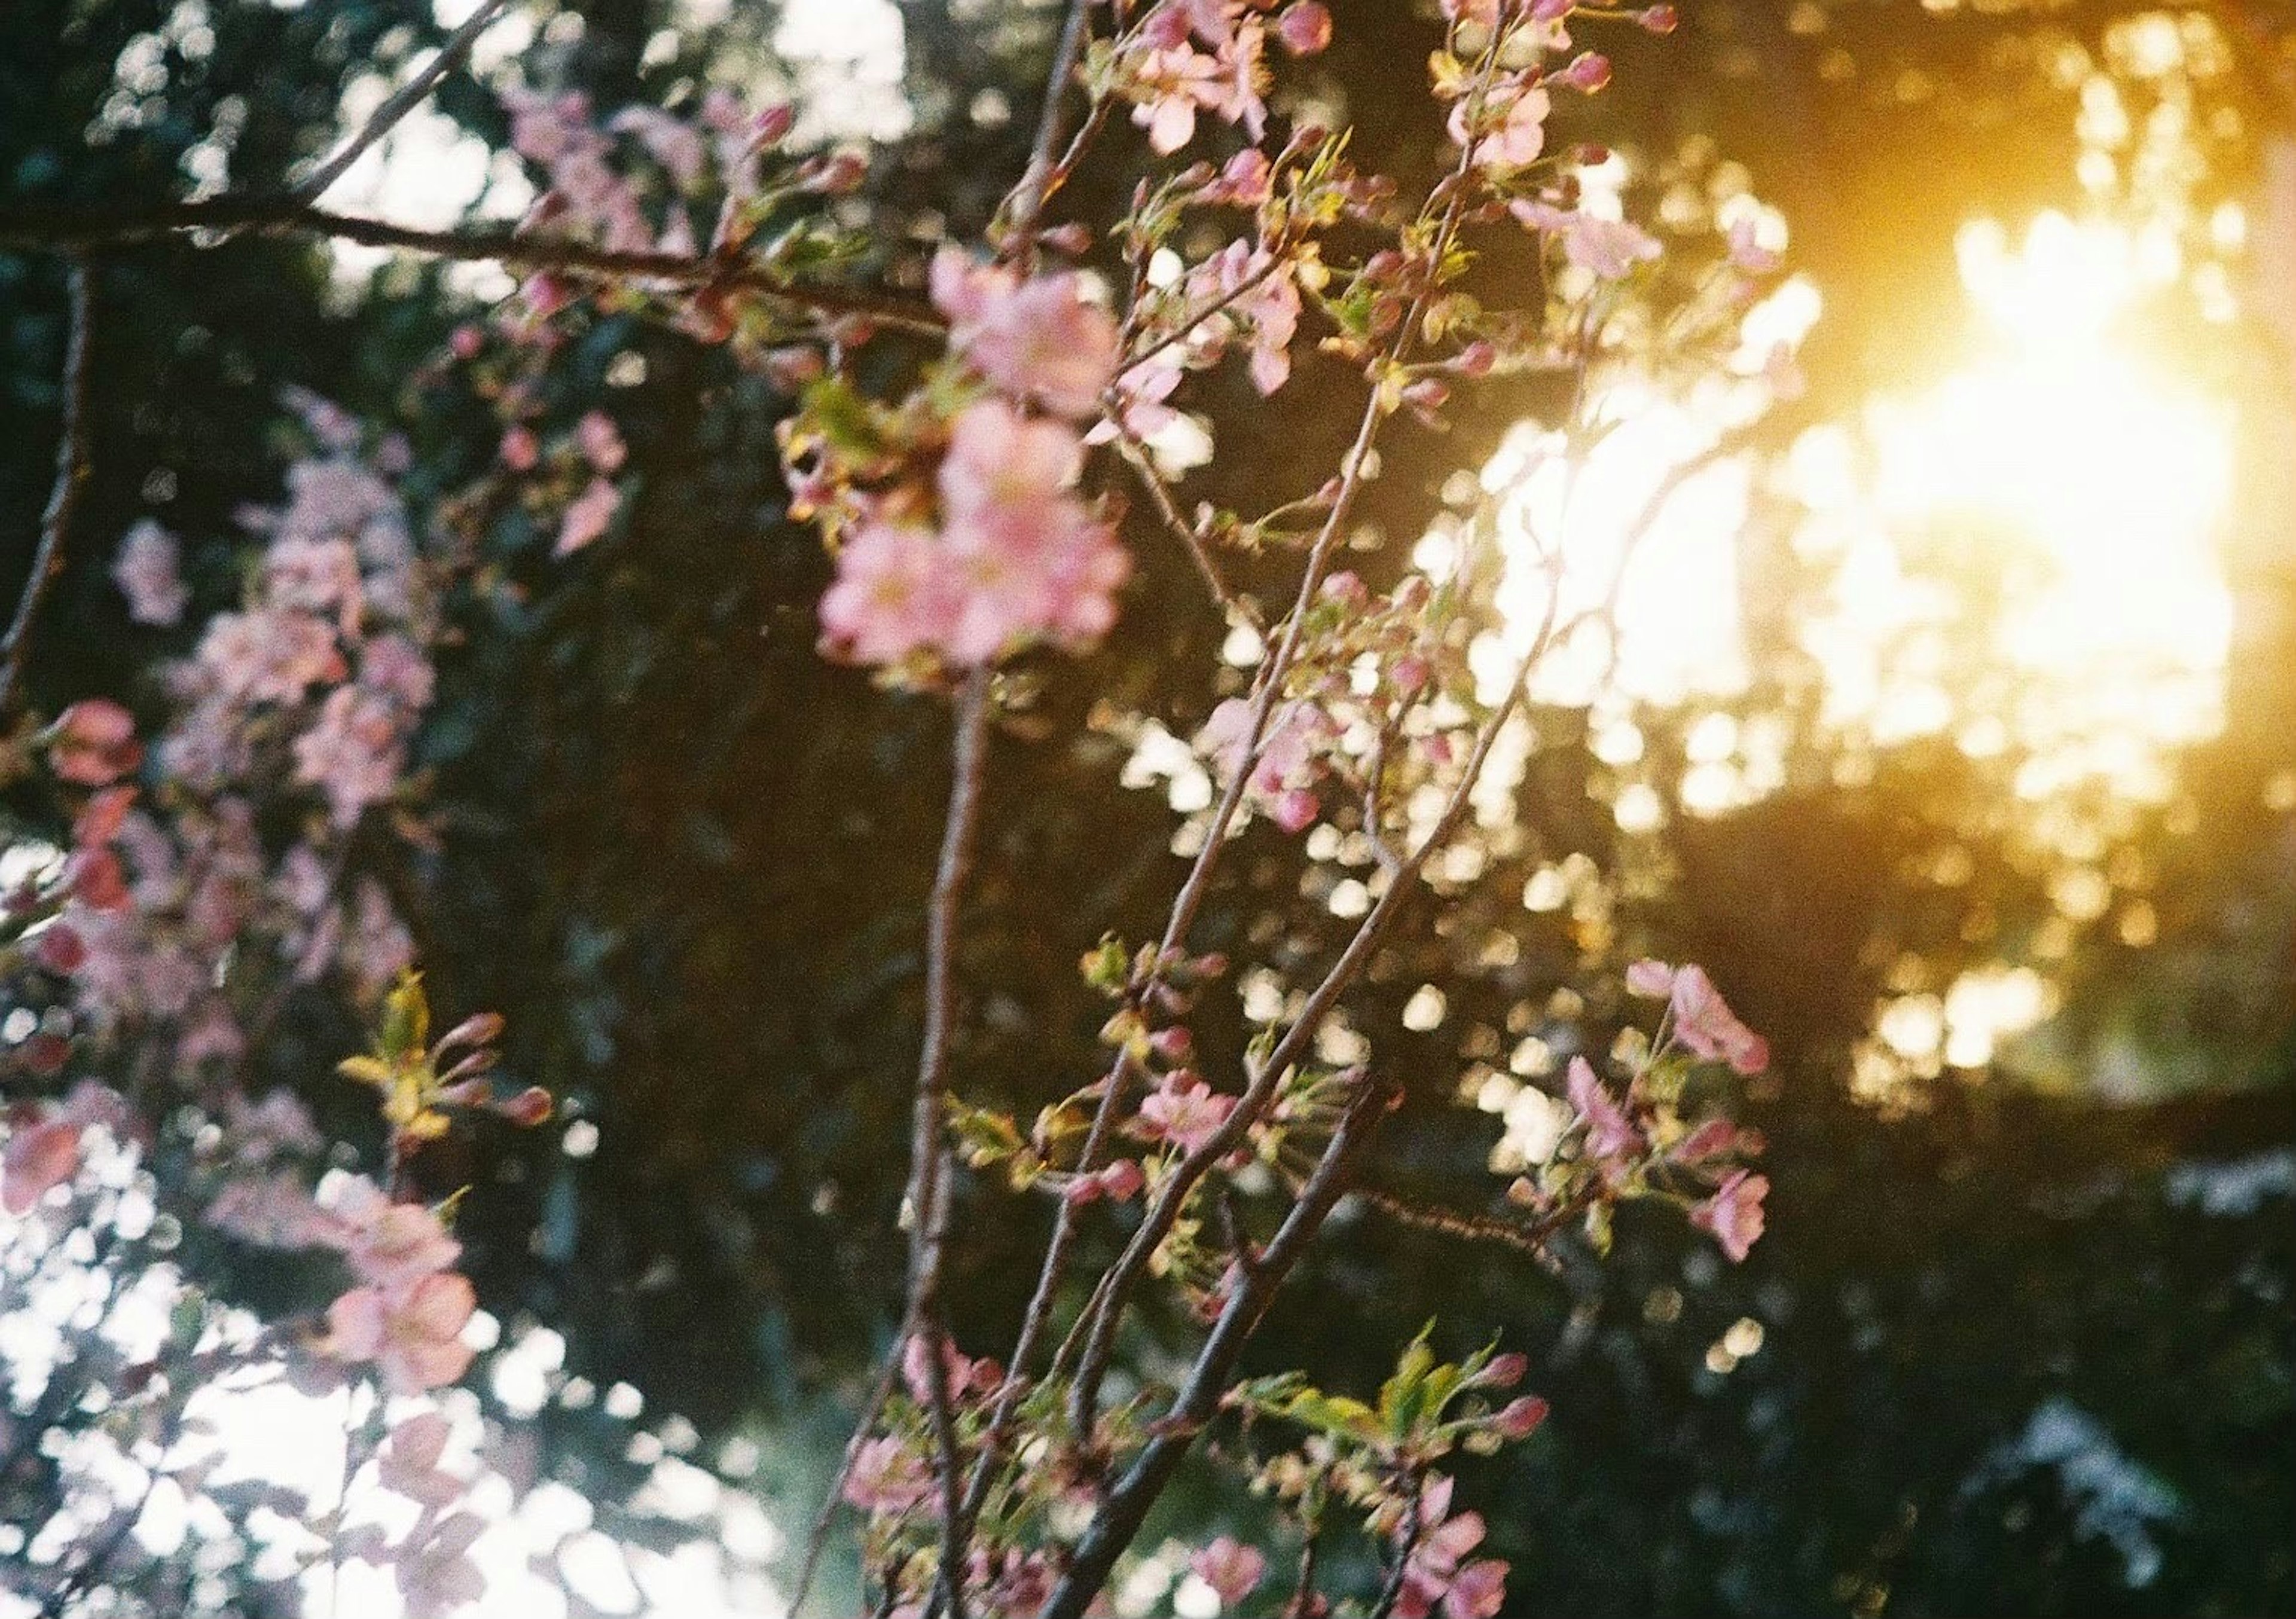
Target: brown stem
x,y
408,96
64,495
69,229
927,1198
1118,1519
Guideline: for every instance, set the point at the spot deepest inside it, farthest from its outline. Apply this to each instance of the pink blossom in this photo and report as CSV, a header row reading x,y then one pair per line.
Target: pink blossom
x,y
1746,249
37,1158
1607,249
1169,87
414,1335
1304,27
601,443
270,656
1733,1214
1508,130
145,571
1704,1022
352,754
45,1153
93,743
1435,1570
395,667
1233,1570
887,602
1040,339
1185,1111
886,1477
519,449
1290,761
588,518
271,1211
314,575
1653,980
1610,1135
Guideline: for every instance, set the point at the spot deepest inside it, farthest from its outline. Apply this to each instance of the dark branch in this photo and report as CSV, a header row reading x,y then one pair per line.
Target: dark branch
x,y
78,231
63,497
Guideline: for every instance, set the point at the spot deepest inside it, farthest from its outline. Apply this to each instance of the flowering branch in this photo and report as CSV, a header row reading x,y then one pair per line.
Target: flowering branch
x,y
1119,1517
63,497
62,230
401,103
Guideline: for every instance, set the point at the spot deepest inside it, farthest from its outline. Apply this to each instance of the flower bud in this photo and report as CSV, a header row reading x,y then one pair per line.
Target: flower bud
x,y
1660,19
1522,1417
1506,1370
1305,28
530,1107
1588,71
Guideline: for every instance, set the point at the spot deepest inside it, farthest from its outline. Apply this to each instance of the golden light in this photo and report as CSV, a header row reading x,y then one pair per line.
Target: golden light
x,y
2057,476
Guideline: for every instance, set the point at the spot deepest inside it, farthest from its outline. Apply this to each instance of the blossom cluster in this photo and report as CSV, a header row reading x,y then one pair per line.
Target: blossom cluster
x,y
962,537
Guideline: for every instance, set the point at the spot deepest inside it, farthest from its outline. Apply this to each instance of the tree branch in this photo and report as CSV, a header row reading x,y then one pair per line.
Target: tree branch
x,y
63,495
410,95
1119,1517
79,230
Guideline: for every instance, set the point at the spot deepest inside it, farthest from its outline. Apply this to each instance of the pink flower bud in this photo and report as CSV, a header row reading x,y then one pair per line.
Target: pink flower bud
x,y
1550,10
530,1107
59,948
1506,1370
1305,28
1588,71
1476,358
467,341
1660,19
772,126
1174,1044
1522,1417
1122,1180
546,295
520,450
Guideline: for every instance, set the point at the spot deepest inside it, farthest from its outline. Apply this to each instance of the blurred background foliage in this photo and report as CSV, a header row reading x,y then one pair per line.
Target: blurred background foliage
x,y
2019,1340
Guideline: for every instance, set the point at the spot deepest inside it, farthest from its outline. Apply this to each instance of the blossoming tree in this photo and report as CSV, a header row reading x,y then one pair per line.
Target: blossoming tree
x,y
982,463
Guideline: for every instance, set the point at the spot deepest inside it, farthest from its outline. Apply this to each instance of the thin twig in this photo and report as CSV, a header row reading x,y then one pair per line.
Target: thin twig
x,y
408,96
85,230
1120,1516
1098,1324
72,453
927,1196
1136,454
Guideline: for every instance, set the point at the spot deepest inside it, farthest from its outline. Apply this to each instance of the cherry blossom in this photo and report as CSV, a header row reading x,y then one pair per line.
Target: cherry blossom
x,y
1233,1571
1185,1111
1733,1214
93,743
586,520
1612,1138
145,571
1042,339
886,1477
413,1335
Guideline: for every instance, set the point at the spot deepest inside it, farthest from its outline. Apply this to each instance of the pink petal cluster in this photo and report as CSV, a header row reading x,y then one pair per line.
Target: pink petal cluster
x,y
1506,128
408,1309
1290,761
1611,1139
43,1148
1703,1020
1019,557
1437,1571
1185,1111
886,1477
93,743
1233,1570
145,571
1192,56
1606,248
1041,340
1733,1213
